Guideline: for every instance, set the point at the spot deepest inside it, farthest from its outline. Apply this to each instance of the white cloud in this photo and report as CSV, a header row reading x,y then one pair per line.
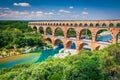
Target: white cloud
x,y
85,13
71,7
49,13
64,11
22,4
39,12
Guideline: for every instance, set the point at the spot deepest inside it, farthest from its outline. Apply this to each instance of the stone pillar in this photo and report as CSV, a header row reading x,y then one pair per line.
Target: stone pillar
x,y
77,36
37,29
114,40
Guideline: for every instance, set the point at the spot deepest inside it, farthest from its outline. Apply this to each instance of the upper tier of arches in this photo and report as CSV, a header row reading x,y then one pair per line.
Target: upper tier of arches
x,y
79,24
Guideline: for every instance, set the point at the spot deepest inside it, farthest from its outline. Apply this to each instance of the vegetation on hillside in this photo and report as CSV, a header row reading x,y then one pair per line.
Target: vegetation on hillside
x,y
87,65
16,34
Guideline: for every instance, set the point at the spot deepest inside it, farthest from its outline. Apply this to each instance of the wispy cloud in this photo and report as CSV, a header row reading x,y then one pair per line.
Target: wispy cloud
x,y
64,11
84,12
49,13
71,7
24,4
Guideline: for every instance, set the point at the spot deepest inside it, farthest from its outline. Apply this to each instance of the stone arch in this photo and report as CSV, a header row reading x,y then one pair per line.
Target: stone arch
x,y
80,47
111,25
97,25
91,25
85,34
118,25
56,24
63,24
48,31
97,48
71,32
60,24
48,40
69,45
80,24
41,30
103,35
59,43
104,25
85,25
67,24
35,28
75,24
71,24
58,32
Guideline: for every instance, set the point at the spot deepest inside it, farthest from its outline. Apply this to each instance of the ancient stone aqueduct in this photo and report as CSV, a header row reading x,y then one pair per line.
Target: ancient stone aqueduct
x,y
93,25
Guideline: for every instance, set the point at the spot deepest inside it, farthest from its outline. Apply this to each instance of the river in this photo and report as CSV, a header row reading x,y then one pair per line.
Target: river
x,y
37,56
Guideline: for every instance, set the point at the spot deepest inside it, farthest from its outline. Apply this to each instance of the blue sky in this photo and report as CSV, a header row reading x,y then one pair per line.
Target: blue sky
x,y
59,9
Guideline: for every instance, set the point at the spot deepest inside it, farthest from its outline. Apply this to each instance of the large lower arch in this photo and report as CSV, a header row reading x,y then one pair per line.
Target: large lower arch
x,y
48,31
104,35
70,45
85,34
58,43
118,37
59,32
41,30
71,33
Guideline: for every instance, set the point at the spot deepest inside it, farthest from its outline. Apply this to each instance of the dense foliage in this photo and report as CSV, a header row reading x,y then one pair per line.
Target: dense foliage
x,y
18,34
87,65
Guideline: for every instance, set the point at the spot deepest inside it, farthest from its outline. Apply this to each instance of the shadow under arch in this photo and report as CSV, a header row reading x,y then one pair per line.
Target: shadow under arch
x,y
58,43
70,45
48,40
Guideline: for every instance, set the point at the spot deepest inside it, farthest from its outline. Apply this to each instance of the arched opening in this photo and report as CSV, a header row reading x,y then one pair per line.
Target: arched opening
x,y
85,34
59,32
118,37
103,25
41,30
97,25
85,25
48,40
75,24
80,24
71,24
48,31
111,25
35,28
91,24
118,25
104,35
67,24
70,45
71,33
58,44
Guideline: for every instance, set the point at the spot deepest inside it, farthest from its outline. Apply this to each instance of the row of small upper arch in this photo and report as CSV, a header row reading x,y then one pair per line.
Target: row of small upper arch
x,y
76,24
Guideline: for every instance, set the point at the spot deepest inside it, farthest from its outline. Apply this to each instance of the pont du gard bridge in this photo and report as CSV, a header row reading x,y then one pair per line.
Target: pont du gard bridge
x,y
94,26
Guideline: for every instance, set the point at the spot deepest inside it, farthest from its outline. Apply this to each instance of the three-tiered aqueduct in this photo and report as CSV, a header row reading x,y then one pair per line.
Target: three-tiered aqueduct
x,y
92,25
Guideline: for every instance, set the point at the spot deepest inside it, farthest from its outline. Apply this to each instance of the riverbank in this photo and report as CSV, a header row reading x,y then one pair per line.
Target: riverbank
x,y
19,59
